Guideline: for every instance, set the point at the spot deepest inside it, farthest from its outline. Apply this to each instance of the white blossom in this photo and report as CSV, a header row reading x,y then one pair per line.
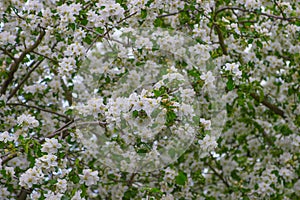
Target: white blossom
x,y
208,143
89,177
234,68
207,77
51,145
30,177
27,121
205,123
7,137
77,196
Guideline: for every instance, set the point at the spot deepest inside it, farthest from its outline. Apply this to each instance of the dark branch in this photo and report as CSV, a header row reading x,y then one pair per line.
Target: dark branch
x,y
15,65
14,91
219,175
8,157
38,108
266,103
221,39
23,194
256,12
6,52
106,32
51,59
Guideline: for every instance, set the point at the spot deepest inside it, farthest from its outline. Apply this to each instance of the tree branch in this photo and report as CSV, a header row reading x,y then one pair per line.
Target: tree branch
x,y
14,67
6,52
67,92
266,103
221,39
15,90
218,175
107,31
256,12
171,14
272,107
39,108
51,59
23,194
10,156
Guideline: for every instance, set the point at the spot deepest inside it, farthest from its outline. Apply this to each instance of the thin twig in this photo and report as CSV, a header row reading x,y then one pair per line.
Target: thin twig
x,y
47,57
171,14
58,131
107,31
269,105
221,39
281,11
256,12
219,175
10,156
38,108
15,65
15,90
6,52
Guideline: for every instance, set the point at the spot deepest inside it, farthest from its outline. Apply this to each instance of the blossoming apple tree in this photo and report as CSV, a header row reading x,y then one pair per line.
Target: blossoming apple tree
x,y
128,99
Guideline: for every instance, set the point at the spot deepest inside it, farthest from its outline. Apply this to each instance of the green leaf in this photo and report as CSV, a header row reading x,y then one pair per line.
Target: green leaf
x,y
259,44
143,14
88,39
69,112
181,178
155,190
261,95
284,130
130,194
84,22
74,177
135,114
230,84
172,152
171,116
158,22
72,26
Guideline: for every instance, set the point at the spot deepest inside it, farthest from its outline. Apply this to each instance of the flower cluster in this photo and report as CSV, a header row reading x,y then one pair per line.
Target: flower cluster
x,y
89,177
233,68
51,146
31,177
27,121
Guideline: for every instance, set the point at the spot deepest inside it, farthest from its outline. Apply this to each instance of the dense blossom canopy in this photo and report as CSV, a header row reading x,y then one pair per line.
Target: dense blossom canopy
x,y
149,99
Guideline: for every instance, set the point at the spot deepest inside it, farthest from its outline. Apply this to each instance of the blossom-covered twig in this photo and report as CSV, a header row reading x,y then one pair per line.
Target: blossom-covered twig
x,y
15,65
15,90
39,108
256,12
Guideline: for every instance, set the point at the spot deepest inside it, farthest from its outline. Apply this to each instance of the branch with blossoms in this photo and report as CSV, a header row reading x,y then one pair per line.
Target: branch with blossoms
x,y
24,192
220,176
252,137
291,19
10,156
15,90
269,105
106,32
39,108
8,53
15,65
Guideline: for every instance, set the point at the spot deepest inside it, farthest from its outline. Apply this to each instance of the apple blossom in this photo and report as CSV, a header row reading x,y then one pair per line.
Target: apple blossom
x,y
89,177
51,146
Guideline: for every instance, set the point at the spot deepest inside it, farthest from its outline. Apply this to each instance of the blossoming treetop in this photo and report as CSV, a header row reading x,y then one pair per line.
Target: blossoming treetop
x,y
149,99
